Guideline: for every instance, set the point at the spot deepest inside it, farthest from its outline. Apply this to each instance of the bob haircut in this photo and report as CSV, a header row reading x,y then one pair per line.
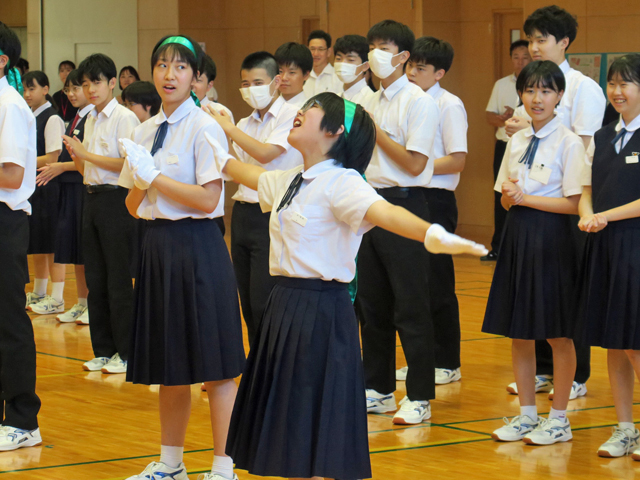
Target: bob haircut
x,y
145,94
73,79
355,149
209,69
626,67
35,76
542,74
131,70
176,51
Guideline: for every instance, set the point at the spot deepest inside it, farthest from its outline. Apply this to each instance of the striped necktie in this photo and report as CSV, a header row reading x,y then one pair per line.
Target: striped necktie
x,y
292,191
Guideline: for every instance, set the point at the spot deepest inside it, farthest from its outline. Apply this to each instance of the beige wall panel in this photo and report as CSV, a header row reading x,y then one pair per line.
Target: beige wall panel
x,y
576,7
619,7
612,34
475,11
435,11
244,13
207,14
346,18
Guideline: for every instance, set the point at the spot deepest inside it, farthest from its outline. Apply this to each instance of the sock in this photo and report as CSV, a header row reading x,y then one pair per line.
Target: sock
x,y
57,289
559,414
171,456
627,426
223,466
530,411
40,286
82,301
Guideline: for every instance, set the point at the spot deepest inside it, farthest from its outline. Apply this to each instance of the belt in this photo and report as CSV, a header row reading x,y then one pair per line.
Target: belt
x,y
101,188
394,192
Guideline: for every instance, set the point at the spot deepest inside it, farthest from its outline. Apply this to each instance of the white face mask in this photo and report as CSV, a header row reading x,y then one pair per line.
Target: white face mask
x,y
346,72
380,63
258,97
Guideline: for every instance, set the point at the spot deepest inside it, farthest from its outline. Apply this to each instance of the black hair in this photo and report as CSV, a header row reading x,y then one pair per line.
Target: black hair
x,y
626,67
22,65
179,52
552,20
38,76
10,45
353,44
261,60
392,31
131,70
96,67
518,44
320,34
145,94
209,69
67,63
355,149
541,73
432,51
73,78
292,53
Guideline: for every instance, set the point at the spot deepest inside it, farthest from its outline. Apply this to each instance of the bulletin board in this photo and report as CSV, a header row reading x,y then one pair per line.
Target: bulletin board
x,y
594,65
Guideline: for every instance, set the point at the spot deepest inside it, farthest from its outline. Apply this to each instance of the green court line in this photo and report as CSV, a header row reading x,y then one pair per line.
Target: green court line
x,y
60,356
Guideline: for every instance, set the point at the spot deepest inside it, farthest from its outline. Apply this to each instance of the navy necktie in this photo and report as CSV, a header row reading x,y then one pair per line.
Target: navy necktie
x,y
530,152
292,191
619,136
158,140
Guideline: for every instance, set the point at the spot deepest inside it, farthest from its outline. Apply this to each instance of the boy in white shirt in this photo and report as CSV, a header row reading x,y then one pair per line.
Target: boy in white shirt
x,y
322,77
294,65
204,83
351,65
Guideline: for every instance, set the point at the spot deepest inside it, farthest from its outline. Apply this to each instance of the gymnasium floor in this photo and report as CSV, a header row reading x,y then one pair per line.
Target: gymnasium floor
x,y
98,427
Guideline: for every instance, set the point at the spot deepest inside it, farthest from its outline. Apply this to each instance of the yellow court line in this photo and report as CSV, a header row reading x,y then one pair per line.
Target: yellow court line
x,y
60,375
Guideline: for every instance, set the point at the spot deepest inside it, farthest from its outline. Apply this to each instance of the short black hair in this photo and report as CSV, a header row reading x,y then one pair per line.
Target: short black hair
x,y
73,78
392,31
10,45
68,63
36,76
261,60
541,73
22,65
626,67
433,51
209,68
552,20
131,70
145,94
518,44
179,51
355,149
97,66
292,53
353,44
322,35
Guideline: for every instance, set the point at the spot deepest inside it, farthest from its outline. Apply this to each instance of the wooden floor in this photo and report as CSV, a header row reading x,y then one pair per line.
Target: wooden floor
x,y
98,427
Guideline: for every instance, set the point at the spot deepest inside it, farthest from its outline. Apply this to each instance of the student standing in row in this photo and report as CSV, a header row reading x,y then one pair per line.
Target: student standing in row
x,y
294,64
351,66
322,77
66,110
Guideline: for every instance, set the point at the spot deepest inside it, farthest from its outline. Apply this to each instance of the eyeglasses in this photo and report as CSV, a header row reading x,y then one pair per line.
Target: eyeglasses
x,y
310,104
74,89
318,49
130,104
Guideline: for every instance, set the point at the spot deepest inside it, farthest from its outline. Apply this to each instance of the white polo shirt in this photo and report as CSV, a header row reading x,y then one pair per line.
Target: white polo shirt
x,y
559,149
101,133
503,95
53,130
410,117
327,81
274,129
359,92
18,145
299,100
185,156
333,202
451,136
218,106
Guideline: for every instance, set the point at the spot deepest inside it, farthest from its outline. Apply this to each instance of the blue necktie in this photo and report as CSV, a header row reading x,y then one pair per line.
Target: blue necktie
x,y
530,152
292,191
158,140
619,136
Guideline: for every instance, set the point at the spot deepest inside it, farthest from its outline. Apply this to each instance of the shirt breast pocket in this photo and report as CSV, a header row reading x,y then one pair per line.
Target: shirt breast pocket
x,y
396,134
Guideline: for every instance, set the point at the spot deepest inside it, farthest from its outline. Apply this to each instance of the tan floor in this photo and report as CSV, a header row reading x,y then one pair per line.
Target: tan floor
x,y
98,427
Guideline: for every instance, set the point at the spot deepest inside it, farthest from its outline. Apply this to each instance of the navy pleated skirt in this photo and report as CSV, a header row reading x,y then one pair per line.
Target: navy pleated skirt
x,y
186,326
610,303
43,221
68,240
533,294
301,408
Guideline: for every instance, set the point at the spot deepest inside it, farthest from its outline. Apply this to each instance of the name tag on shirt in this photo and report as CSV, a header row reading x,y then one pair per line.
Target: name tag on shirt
x,y
76,132
633,158
172,160
299,219
540,173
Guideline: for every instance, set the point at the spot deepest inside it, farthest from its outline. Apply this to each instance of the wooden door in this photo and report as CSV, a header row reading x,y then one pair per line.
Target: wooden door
x,y
507,28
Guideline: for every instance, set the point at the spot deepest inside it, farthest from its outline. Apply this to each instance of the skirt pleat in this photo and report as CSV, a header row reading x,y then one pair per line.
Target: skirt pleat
x,y
301,409
68,240
533,292
43,221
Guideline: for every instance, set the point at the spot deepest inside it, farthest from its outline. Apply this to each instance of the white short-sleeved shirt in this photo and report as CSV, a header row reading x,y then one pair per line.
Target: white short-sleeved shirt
x,y
582,106
358,93
18,145
503,95
101,133
451,136
318,235
327,81
299,100
559,149
410,117
53,130
218,106
185,156
274,129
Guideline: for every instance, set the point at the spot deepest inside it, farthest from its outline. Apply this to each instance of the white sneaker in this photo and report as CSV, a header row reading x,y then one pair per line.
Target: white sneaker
x,y
379,403
577,390
96,364
33,298
515,429
161,471
13,438
621,443
70,316
548,432
444,376
401,374
544,383
215,476
115,365
84,318
47,306
412,412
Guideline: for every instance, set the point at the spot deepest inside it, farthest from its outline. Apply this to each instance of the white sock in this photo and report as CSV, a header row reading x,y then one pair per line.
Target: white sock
x,y
57,291
559,414
82,301
171,456
40,286
627,426
223,466
530,411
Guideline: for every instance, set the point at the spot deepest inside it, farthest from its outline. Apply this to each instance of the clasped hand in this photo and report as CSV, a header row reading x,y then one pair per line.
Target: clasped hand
x,y
511,192
592,223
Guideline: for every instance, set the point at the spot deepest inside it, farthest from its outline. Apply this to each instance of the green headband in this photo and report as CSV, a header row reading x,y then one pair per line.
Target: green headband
x,y
14,78
349,112
185,43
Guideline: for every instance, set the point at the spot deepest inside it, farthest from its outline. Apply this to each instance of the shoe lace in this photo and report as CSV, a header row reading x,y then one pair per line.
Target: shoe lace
x,y
543,424
620,435
409,406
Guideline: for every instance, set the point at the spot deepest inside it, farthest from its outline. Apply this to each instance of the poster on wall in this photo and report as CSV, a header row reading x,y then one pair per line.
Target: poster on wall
x,y
588,63
611,57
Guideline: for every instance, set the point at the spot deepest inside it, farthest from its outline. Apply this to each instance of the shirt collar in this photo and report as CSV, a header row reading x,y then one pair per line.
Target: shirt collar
x,y
513,78
182,111
108,110
435,91
319,168
205,101
632,127
545,131
82,113
274,109
328,70
297,98
41,108
355,88
395,87
564,66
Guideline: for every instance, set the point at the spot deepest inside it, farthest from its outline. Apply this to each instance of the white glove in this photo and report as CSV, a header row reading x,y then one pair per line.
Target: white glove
x,y
140,162
438,240
221,156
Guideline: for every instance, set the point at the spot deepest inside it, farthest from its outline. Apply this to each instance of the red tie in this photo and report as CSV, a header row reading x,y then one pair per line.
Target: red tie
x,y
75,122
